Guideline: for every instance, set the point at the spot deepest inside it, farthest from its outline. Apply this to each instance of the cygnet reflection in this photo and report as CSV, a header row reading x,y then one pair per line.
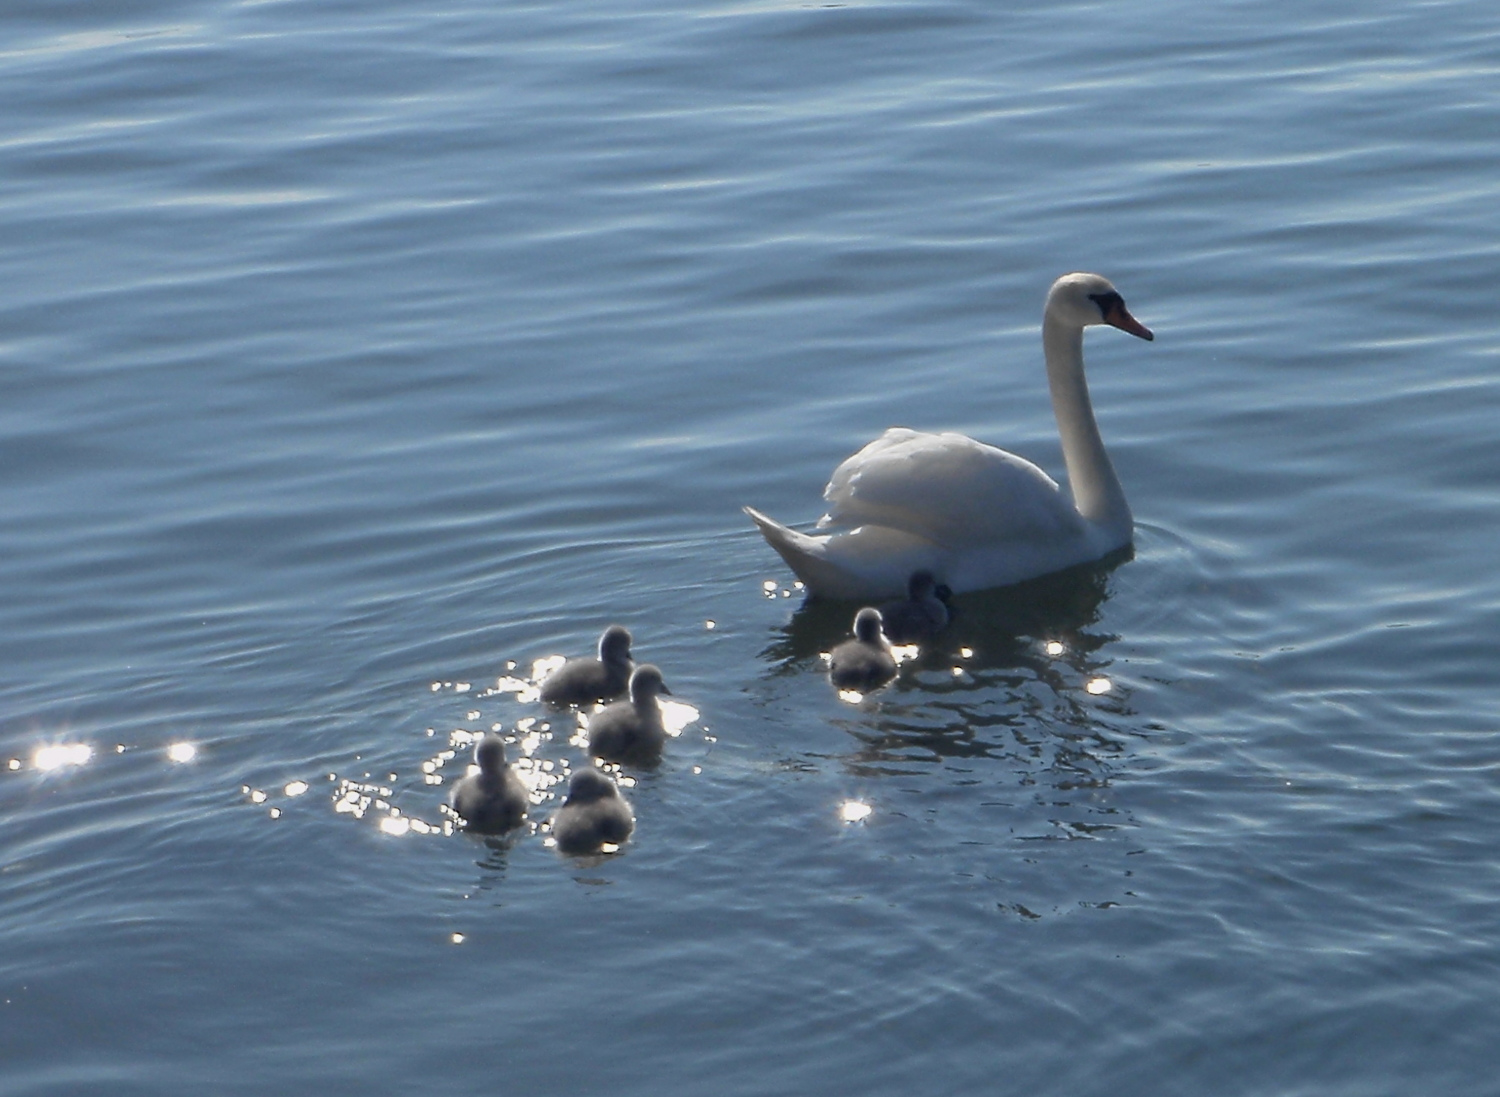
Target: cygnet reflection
x,y
493,800
593,679
864,662
921,615
631,731
593,816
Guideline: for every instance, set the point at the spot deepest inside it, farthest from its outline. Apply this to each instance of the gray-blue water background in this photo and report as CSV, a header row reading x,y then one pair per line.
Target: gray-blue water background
x,y
352,353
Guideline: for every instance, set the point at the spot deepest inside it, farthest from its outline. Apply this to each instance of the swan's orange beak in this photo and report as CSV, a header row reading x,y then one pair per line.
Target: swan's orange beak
x,y
1119,316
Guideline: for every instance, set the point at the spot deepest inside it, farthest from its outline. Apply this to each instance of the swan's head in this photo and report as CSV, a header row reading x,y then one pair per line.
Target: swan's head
x,y
867,626
489,755
1087,299
614,645
589,786
921,586
646,684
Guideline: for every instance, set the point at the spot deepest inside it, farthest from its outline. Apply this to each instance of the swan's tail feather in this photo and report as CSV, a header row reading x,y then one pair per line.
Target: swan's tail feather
x,y
803,554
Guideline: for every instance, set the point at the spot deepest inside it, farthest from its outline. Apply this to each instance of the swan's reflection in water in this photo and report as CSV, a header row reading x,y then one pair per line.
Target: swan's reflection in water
x,y
1020,677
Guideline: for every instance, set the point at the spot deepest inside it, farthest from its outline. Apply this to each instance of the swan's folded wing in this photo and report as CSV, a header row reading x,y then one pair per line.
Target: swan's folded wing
x,y
949,489
869,562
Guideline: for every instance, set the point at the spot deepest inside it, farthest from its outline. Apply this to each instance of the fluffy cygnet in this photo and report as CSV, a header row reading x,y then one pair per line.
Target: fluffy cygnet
x,y
493,800
593,813
631,731
590,679
864,662
920,616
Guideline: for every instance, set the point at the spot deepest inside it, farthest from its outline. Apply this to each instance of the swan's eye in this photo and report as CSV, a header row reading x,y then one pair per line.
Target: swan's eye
x,y
1107,302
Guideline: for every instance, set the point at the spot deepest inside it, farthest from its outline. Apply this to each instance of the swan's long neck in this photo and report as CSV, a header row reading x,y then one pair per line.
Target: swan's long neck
x,y
1096,489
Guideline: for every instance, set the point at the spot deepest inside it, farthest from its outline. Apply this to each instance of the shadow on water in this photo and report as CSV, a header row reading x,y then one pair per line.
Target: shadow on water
x,y
1000,626
1016,677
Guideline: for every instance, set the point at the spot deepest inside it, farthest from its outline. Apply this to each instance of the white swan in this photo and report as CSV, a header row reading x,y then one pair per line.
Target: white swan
x,y
973,515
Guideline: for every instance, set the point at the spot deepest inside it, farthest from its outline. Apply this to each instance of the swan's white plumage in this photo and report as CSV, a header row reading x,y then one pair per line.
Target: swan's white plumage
x,y
909,480
974,515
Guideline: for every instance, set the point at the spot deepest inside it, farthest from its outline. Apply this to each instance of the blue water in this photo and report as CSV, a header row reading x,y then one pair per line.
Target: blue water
x,y
350,354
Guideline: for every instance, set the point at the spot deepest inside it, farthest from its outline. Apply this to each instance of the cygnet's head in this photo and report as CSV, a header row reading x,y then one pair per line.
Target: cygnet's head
x,y
921,585
867,625
489,755
1086,299
614,645
589,786
646,683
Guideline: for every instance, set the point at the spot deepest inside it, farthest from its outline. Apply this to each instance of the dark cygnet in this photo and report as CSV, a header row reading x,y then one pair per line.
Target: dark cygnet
x,y
590,679
493,800
631,731
593,814
864,662
920,616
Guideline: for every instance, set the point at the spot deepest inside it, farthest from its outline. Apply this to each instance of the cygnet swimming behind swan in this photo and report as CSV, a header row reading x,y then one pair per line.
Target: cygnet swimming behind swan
x,y
631,731
590,679
920,616
493,800
864,662
593,815
973,515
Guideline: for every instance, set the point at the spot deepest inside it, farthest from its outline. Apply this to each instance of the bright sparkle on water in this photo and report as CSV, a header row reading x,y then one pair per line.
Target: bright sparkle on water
x,y
296,788
852,811
1099,685
182,752
1054,647
676,715
55,757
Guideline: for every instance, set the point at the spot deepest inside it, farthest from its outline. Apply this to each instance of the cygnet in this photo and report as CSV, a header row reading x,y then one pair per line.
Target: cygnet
x,y
631,731
590,679
921,616
864,662
593,814
493,800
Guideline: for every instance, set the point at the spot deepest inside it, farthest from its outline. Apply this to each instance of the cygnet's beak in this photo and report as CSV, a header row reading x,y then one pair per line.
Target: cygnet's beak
x,y
665,690
1119,316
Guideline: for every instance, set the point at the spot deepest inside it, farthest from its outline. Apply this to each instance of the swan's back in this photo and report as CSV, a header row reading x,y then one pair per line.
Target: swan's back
x,y
593,814
950,490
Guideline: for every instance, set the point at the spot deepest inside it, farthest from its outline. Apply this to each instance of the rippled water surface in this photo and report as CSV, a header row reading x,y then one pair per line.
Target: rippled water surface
x,y
354,357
